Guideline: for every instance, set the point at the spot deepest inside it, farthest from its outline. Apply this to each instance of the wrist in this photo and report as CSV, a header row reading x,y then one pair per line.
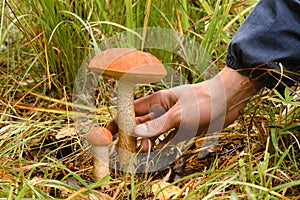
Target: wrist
x,y
238,87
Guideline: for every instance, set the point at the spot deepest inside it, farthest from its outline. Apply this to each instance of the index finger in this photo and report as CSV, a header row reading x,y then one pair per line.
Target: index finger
x,y
157,102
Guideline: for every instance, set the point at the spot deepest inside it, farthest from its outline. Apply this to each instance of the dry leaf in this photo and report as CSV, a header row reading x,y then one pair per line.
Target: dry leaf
x,y
65,132
99,196
164,190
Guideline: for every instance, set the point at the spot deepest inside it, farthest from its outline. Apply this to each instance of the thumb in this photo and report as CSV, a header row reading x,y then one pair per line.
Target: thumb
x,y
157,126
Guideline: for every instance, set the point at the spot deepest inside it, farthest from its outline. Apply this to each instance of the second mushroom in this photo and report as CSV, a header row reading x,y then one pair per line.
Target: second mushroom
x,y
129,67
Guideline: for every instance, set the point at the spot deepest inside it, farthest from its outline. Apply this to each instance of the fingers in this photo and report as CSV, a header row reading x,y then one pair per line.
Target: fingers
x,y
155,127
150,125
154,113
164,98
153,117
151,114
112,125
146,145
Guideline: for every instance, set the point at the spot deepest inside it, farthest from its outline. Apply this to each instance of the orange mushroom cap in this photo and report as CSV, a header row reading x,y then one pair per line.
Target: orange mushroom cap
x,y
128,65
99,136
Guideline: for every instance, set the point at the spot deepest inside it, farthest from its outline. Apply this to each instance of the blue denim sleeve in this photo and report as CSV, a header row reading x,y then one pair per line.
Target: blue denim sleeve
x,y
266,47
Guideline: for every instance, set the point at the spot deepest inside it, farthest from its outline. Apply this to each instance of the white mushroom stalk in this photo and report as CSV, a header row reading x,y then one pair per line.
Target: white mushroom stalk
x,y
100,138
126,123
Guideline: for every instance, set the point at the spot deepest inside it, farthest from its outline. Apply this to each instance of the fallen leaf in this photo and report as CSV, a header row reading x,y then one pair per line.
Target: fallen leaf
x,y
65,132
164,190
99,196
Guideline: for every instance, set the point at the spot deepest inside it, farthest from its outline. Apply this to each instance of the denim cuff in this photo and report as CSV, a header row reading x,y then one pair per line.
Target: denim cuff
x,y
266,47
271,75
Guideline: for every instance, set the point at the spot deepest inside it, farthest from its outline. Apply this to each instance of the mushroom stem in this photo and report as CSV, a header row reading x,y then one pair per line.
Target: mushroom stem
x,y
126,123
101,162
100,138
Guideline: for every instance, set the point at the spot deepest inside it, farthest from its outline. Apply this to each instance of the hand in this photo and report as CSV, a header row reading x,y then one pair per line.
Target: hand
x,y
188,110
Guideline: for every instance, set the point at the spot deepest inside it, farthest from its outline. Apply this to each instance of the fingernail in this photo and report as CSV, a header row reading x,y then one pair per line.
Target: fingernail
x,y
141,129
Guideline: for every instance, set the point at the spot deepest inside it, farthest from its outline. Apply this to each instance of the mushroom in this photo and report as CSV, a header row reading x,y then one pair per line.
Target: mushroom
x,y
129,67
100,138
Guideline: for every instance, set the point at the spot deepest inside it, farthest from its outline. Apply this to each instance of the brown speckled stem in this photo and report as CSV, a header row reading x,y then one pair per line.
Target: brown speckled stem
x,y
126,123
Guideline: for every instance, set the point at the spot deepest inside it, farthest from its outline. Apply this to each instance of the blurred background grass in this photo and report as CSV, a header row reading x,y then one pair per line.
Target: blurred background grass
x,y
51,39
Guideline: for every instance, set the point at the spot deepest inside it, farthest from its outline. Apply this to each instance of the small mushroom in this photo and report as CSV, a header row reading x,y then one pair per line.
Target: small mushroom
x,y
130,67
100,138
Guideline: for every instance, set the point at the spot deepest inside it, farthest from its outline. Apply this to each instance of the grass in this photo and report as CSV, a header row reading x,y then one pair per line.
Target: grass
x,y
44,43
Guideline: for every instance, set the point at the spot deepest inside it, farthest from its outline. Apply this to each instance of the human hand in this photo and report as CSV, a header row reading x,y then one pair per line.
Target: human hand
x,y
188,110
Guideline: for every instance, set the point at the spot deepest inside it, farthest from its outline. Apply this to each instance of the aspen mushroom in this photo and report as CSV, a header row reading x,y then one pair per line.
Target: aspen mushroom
x,y
129,67
100,138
